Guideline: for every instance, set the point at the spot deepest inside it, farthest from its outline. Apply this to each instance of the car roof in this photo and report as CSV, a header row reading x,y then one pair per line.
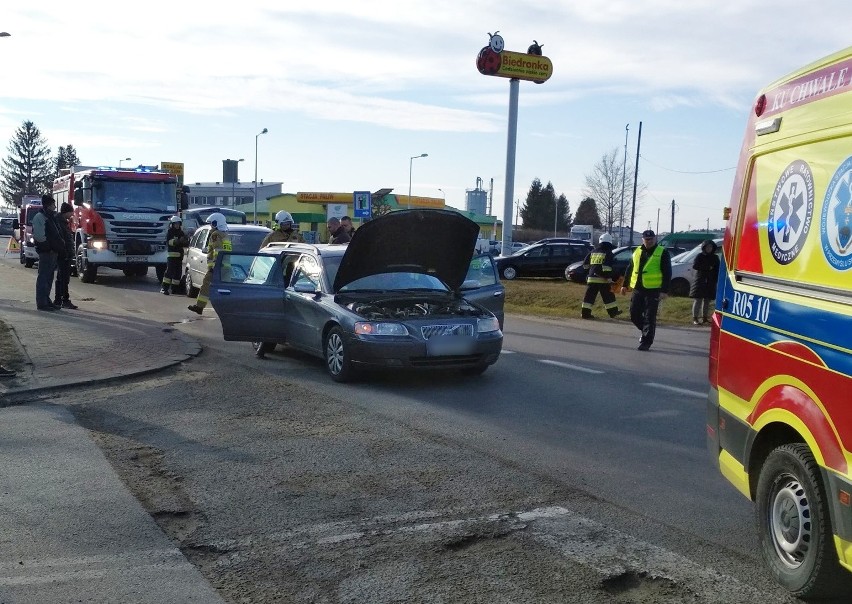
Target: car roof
x,y
322,249
241,228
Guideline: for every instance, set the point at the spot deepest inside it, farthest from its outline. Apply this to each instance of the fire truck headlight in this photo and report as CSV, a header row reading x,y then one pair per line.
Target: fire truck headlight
x,y
99,244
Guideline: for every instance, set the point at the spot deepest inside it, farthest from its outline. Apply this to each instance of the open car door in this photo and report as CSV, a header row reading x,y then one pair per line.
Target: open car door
x,y
483,286
247,292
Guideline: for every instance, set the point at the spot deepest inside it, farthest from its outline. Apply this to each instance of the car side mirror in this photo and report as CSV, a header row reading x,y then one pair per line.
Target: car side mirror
x,y
306,288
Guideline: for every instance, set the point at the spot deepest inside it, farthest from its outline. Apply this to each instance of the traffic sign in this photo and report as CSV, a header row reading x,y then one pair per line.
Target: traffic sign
x,y
362,204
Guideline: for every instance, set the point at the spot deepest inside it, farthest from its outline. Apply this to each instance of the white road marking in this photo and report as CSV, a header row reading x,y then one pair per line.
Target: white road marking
x,y
569,366
684,391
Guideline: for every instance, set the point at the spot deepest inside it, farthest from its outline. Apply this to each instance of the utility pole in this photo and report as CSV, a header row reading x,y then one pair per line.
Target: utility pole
x,y
673,211
623,178
658,222
635,182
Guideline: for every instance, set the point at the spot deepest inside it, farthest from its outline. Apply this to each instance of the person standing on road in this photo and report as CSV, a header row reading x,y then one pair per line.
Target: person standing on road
x,y
285,232
217,240
176,241
62,296
648,275
703,288
598,264
336,232
49,243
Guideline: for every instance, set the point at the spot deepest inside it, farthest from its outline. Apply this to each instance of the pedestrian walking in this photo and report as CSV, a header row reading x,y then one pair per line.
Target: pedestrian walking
x,y
49,243
176,241
648,275
598,264
216,241
703,287
65,259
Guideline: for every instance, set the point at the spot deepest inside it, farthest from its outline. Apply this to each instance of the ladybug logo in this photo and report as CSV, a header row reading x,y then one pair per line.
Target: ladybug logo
x,y
495,42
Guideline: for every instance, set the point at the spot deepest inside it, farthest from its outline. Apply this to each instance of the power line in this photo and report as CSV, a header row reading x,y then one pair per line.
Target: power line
x,y
686,171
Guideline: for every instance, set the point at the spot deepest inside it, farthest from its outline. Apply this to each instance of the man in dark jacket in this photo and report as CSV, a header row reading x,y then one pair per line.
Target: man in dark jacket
x,y
648,275
176,241
598,264
336,232
49,243
61,295
703,288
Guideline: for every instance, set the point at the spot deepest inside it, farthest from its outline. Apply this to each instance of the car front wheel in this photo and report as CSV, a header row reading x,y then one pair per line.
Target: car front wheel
x,y
510,272
337,361
794,528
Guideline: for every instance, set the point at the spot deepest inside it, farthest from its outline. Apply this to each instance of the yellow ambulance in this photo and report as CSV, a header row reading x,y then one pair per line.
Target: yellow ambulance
x,y
780,404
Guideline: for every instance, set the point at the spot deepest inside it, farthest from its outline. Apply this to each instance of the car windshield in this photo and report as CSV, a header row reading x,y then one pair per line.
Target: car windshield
x,y
397,281
246,241
134,196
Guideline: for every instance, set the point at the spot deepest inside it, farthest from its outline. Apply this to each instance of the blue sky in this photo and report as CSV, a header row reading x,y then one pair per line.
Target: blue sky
x,y
349,91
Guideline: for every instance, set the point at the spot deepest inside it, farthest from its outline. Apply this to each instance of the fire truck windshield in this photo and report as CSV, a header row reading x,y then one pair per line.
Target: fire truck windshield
x,y
130,196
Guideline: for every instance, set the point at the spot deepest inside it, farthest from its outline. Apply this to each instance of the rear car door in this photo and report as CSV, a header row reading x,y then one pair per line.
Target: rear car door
x,y
483,286
249,301
305,315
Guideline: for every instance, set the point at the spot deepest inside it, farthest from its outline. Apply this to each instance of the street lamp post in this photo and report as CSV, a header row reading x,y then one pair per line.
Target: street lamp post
x,y
410,164
264,131
121,160
623,178
444,195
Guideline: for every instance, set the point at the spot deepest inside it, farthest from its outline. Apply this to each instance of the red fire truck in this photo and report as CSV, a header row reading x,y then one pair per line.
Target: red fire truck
x,y
120,217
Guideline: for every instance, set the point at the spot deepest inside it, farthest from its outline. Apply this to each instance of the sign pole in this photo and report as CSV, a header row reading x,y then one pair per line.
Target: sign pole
x,y
511,145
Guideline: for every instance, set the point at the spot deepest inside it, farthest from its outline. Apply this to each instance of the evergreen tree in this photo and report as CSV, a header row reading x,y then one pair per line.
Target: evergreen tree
x,y
66,157
587,213
28,169
564,213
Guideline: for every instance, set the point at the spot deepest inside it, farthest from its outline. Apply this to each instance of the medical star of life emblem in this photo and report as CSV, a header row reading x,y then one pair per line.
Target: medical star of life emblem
x,y
836,222
790,212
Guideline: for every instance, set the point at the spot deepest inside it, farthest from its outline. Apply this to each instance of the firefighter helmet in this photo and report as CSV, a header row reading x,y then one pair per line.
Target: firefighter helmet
x,y
217,220
283,218
175,219
605,238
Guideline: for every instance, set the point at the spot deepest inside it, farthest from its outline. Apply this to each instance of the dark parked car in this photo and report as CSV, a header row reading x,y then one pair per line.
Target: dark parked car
x,y
404,293
576,273
6,226
541,260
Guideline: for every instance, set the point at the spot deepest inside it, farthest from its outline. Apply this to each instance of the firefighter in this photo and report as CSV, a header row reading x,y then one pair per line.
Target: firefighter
x,y
176,240
598,264
648,275
217,240
286,230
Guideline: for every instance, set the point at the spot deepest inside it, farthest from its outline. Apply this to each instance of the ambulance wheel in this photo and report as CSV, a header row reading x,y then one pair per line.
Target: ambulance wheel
x,y
28,262
160,269
794,527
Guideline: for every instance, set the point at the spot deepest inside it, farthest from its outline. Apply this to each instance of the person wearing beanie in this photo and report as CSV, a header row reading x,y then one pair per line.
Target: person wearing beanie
x,y
65,259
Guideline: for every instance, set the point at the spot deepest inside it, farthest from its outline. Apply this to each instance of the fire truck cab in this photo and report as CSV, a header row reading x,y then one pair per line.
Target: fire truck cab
x,y
120,218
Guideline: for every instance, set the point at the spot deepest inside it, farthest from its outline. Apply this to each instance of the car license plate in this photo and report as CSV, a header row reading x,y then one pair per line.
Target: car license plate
x,y
137,258
441,346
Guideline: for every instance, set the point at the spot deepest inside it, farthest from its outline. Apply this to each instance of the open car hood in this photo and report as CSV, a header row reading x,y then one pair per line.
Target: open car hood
x,y
433,242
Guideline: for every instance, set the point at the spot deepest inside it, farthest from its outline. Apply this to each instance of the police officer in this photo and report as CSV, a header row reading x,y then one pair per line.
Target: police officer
x,y
598,264
648,275
217,240
176,241
285,232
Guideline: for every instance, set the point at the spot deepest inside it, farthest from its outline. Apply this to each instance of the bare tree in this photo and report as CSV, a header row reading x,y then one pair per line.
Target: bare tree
x,y
605,185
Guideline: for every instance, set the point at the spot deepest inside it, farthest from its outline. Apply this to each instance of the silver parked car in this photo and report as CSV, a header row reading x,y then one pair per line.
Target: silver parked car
x,y
244,238
404,293
682,271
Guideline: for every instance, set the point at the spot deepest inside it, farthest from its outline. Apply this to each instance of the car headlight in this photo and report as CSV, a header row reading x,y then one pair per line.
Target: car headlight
x,y
99,244
487,325
367,328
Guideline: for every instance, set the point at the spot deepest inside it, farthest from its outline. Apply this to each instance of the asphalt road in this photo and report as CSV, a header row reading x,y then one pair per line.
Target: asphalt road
x,y
574,470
